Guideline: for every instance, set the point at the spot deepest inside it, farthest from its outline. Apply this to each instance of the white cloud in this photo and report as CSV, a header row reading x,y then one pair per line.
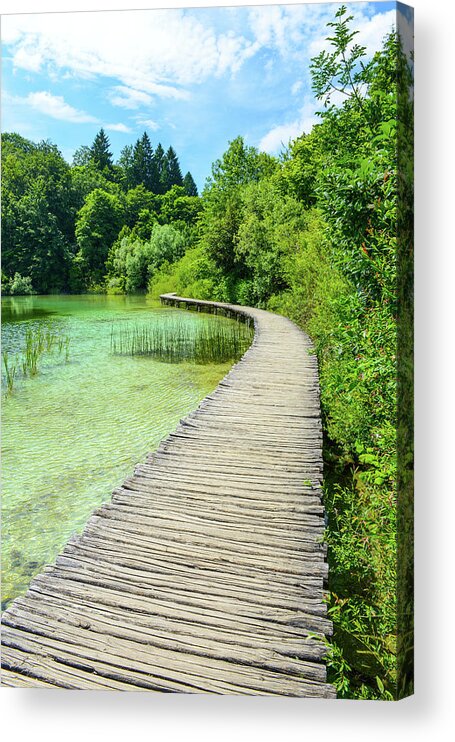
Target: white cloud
x,y
284,27
280,135
128,97
148,123
160,53
55,107
154,53
371,31
289,28
118,127
28,58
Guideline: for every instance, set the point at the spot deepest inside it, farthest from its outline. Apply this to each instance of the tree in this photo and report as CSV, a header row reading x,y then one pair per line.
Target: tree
x,y
37,212
138,200
189,185
125,167
85,179
20,286
176,206
166,243
358,183
239,165
101,154
24,162
302,166
158,159
144,169
223,206
340,70
97,226
82,156
133,261
270,230
33,244
171,174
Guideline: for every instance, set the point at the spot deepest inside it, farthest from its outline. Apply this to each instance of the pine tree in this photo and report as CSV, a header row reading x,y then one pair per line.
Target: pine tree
x,y
159,159
144,167
151,176
189,185
171,173
101,154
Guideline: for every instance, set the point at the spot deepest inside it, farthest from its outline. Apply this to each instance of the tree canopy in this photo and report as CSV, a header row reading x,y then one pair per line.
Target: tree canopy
x,y
45,201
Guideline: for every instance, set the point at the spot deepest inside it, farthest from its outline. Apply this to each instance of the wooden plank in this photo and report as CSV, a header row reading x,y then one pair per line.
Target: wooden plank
x,y
205,572
300,647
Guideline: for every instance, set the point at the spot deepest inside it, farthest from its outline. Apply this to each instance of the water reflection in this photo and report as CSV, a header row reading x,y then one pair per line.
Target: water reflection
x,y
19,308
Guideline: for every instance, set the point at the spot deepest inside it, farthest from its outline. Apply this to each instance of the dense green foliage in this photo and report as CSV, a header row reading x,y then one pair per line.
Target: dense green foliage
x,y
312,235
59,222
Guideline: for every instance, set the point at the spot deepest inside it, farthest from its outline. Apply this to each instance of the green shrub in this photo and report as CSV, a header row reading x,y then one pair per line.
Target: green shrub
x,y
20,286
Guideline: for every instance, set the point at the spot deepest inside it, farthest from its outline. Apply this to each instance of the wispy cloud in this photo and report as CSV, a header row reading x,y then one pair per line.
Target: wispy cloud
x,y
280,135
126,97
157,53
371,31
282,27
148,123
289,28
118,127
55,107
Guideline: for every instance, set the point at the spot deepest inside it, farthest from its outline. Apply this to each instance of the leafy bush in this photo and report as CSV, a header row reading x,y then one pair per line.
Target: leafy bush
x,y
194,275
132,262
19,286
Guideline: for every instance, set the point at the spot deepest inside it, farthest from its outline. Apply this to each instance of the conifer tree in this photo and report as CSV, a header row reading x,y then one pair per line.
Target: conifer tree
x,y
100,152
171,173
144,168
189,185
159,159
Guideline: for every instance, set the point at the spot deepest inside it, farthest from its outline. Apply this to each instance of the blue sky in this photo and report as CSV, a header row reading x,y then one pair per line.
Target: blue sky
x,y
192,78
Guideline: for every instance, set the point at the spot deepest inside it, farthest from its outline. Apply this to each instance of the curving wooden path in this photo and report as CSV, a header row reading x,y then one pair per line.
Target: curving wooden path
x,y
205,572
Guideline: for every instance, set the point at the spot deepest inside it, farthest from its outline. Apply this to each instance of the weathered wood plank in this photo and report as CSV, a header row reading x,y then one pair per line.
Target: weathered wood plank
x,y
205,572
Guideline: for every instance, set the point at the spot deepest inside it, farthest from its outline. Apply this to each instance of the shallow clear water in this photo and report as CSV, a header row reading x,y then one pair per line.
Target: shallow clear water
x,y
72,433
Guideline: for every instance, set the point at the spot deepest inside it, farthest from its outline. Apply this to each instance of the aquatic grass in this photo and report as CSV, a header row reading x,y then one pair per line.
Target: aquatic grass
x,y
38,342
175,341
10,366
67,348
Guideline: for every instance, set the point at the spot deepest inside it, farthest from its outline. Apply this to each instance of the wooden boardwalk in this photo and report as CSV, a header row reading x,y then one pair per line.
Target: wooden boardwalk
x,y
205,572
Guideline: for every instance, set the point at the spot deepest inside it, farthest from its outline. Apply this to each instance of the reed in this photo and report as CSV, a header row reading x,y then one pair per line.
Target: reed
x,y
38,341
10,366
174,341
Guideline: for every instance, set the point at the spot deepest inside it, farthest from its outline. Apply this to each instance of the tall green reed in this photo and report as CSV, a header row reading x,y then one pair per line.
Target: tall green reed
x,y
38,341
173,340
10,365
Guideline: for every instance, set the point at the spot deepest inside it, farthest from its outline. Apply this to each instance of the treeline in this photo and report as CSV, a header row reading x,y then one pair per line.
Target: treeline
x,y
59,222
313,235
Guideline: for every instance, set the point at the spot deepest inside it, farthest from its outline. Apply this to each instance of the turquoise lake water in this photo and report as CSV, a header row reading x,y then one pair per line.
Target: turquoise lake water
x,y
73,432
